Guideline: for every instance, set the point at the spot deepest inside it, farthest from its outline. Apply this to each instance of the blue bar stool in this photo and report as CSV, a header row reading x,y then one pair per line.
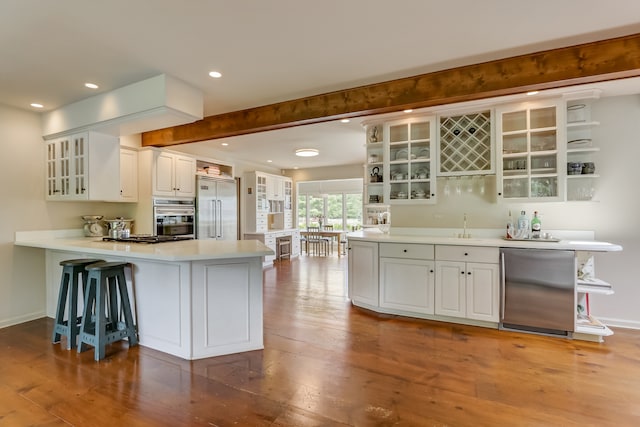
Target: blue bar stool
x,y
105,299
68,293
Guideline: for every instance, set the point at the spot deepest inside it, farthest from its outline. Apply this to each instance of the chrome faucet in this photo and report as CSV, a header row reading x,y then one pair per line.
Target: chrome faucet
x,y
464,234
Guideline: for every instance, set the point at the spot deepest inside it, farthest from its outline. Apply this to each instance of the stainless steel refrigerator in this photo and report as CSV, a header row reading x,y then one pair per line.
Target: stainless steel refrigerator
x,y
216,208
538,290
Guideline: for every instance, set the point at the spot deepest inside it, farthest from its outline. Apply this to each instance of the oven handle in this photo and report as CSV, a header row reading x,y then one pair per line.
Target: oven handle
x,y
174,211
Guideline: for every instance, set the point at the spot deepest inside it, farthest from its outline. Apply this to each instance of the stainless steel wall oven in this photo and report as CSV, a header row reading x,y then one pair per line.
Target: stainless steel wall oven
x,y
174,217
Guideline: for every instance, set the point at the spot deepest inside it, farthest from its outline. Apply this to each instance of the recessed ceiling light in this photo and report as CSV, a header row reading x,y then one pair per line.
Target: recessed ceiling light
x,y
408,110
307,152
91,85
344,121
36,105
533,92
295,167
215,74
224,144
269,161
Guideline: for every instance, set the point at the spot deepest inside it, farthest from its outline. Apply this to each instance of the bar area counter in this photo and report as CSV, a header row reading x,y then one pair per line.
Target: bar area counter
x,y
192,299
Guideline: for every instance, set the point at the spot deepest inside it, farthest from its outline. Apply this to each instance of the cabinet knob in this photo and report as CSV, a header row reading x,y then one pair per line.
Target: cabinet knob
x,y
469,273
466,254
430,271
462,272
499,194
404,250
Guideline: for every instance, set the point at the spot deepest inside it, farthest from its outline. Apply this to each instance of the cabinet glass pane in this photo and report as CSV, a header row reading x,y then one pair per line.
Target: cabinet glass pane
x,y
543,118
398,172
516,187
420,151
399,191
543,141
398,133
420,190
544,187
419,131
543,164
514,166
399,152
514,144
420,171
514,121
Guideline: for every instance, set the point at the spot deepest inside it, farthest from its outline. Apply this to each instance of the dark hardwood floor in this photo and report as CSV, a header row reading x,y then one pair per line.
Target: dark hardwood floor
x,y
326,363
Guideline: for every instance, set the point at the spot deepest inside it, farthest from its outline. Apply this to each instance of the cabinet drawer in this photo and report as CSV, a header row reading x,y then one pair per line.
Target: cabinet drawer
x,y
467,254
406,250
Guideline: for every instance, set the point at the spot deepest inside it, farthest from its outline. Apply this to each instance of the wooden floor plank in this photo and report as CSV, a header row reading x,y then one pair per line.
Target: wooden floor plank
x,y
326,363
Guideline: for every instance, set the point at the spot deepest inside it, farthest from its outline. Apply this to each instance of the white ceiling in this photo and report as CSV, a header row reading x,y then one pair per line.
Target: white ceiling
x,y
277,50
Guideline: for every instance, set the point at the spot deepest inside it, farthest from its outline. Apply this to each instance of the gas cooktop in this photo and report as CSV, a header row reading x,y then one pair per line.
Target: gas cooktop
x,y
147,239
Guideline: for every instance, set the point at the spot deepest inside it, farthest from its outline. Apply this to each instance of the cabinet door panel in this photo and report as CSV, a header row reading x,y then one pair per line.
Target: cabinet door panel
x,y
185,171
483,299
407,284
363,272
450,289
163,176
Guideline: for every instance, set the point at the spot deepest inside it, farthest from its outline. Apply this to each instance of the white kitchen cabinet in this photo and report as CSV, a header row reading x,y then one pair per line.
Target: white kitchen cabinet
x,y
582,148
275,188
467,282
256,204
363,273
407,277
82,167
400,163
173,174
410,165
532,157
128,175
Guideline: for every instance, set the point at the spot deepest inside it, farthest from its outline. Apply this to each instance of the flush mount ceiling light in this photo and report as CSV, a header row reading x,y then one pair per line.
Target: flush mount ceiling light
x,y
36,105
215,74
307,152
91,85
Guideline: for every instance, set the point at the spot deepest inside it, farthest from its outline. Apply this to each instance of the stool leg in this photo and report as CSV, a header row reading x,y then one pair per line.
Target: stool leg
x,y
126,308
62,300
89,299
72,323
101,321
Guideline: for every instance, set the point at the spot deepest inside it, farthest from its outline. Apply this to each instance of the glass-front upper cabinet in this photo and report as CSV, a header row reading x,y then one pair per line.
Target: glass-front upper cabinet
x,y
411,163
531,157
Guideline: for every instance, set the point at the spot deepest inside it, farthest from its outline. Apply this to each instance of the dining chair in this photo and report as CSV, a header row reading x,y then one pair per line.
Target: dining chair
x,y
316,243
330,240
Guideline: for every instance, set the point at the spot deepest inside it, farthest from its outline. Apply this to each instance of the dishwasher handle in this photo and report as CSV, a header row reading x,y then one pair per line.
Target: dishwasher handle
x,y
503,285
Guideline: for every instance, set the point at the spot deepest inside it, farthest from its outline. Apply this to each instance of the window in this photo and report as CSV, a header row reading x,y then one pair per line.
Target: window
x,y
337,203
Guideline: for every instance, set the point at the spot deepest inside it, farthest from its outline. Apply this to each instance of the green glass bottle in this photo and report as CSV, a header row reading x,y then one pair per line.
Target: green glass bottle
x,y
536,226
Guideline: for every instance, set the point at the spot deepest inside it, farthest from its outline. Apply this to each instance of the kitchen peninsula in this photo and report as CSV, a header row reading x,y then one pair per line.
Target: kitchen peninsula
x,y
426,273
192,299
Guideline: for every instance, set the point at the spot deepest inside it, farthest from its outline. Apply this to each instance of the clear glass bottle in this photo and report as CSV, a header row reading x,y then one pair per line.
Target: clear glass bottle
x,y
523,226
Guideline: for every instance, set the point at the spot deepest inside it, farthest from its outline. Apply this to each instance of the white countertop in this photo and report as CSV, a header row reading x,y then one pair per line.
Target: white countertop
x,y
373,235
186,250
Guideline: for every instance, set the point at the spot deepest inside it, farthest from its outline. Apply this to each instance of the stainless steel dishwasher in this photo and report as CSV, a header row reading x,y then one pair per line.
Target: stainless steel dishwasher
x,y
538,290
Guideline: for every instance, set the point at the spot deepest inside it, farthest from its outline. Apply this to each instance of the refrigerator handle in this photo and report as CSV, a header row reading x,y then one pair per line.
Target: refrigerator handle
x,y
219,220
502,286
212,220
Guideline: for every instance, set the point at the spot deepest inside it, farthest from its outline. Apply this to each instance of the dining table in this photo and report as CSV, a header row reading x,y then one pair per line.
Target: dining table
x,y
334,235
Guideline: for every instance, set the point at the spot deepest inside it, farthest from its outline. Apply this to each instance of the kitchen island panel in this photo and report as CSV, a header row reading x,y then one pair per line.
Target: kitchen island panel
x,y
227,307
161,302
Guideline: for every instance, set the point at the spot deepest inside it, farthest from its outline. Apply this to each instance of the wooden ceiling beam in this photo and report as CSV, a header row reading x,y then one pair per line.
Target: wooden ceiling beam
x,y
586,63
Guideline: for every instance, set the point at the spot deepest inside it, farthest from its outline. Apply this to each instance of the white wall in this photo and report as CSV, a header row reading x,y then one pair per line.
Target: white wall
x,y
22,208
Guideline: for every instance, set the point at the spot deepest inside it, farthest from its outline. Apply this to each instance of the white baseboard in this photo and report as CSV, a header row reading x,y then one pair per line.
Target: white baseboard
x,y
4,323
620,323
